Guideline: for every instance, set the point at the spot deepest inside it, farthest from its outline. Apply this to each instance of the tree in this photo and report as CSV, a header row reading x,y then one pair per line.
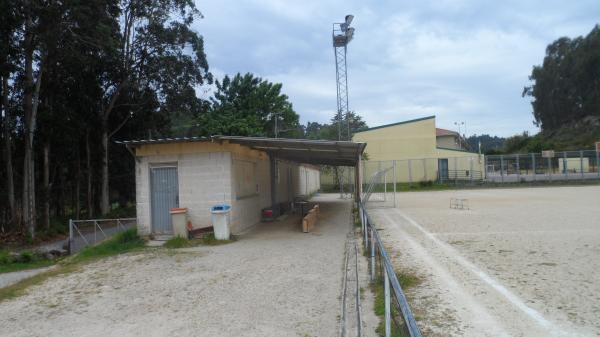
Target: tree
x,y
249,106
156,59
566,87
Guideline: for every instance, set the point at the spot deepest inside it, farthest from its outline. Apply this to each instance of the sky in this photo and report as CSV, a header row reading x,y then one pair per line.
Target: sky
x,y
462,61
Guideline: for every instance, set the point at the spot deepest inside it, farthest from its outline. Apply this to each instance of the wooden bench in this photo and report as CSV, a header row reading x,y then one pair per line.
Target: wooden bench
x,y
310,220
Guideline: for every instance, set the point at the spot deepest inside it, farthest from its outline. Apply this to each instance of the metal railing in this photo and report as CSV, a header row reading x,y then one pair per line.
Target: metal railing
x,y
83,233
400,314
461,176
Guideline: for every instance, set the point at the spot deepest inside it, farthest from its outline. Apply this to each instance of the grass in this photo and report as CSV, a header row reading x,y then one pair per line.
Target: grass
x,y
208,240
407,281
120,243
28,260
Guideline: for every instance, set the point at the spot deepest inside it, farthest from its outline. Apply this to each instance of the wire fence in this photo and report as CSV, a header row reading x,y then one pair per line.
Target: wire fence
x,y
83,233
545,166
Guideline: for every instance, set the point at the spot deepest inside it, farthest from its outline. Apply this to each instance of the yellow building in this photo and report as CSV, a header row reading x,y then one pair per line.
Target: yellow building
x,y
419,151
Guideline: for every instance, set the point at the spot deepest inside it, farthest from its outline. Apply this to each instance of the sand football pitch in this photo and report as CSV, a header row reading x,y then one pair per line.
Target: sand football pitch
x,y
519,262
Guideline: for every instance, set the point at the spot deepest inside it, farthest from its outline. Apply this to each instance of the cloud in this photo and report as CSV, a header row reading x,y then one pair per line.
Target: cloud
x,y
460,60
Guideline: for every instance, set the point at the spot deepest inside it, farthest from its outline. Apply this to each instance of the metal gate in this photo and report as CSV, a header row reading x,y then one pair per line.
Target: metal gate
x,y
165,195
443,169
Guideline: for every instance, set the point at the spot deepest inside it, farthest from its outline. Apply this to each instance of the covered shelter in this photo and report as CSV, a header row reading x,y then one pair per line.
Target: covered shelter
x,y
248,173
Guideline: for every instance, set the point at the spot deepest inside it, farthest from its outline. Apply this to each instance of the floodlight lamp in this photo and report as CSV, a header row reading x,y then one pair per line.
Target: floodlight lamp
x,y
343,27
349,33
349,19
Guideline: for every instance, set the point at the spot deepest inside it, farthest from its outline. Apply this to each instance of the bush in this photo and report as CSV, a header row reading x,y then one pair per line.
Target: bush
x,y
120,243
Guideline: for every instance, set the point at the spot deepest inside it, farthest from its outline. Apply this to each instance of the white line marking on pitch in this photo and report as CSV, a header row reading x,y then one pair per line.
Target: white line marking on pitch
x,y
514,299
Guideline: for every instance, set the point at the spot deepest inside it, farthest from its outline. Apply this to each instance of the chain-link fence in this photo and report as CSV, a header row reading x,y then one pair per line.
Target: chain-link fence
x,y
83,233
547,166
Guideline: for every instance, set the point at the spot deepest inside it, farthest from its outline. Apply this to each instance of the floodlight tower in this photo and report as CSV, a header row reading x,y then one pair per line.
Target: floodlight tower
x,y
342,35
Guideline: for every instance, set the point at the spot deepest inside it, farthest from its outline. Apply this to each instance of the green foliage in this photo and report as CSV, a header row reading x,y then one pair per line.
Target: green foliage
x,y
210,240
120,243
26,260
177,242
249,106
565,87
489,144
407,281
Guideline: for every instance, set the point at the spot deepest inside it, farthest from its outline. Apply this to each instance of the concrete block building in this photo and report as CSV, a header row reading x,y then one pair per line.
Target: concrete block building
x,y
422,151
245,172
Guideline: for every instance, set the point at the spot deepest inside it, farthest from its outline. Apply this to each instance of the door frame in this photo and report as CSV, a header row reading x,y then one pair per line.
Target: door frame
x,y
158,165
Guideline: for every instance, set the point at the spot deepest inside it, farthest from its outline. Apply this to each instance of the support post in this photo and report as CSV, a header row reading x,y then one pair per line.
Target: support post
x,y
395,183
388,312
425,168
549,169
70,236
385,186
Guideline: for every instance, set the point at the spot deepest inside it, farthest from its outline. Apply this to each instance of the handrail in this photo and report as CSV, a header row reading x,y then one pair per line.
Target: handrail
x,y
389,276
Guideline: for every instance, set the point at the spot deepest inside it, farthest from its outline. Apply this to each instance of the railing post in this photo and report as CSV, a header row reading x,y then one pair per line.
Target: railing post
x,y
70,236
366,228
388,313
372,254
549,169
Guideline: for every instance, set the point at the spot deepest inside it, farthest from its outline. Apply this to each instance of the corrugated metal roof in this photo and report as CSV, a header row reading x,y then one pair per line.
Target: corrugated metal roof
x,y
319,152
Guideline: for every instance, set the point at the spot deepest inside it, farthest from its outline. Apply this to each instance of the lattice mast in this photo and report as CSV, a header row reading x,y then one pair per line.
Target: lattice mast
x,y
342,34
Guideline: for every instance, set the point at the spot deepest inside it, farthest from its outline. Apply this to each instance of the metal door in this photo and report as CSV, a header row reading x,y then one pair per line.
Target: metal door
x,y
443,169
165,195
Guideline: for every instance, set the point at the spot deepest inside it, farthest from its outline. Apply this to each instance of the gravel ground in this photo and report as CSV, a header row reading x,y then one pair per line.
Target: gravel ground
x,y
520,262
274,281
7,279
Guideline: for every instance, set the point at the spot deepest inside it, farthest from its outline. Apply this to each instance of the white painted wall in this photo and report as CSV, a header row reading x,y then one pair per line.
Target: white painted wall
x,y
204,180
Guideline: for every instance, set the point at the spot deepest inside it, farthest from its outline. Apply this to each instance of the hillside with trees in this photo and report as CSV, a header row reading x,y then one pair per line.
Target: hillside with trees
x,y
565,93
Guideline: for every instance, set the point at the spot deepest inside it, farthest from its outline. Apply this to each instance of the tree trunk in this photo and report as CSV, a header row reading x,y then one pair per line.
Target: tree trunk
x,y
90,204
10,184
104,200
47,186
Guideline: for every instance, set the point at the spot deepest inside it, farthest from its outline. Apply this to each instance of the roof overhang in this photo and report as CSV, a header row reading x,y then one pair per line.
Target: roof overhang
x,y
318,152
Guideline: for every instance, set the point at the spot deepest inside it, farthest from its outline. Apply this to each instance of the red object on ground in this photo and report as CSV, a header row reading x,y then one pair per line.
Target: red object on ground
x,y
178,210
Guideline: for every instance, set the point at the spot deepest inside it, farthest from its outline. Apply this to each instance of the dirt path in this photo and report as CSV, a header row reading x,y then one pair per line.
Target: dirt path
x,y
274,281
521,262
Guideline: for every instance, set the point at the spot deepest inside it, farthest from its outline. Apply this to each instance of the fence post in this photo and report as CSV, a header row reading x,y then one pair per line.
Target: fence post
x,y
518,169
385,186
409,172
372,254
388,314
502,168
425,168
471,169
549,169
70,236
366,227
395,182
581,163
533,166
485,169
565,165
598,162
